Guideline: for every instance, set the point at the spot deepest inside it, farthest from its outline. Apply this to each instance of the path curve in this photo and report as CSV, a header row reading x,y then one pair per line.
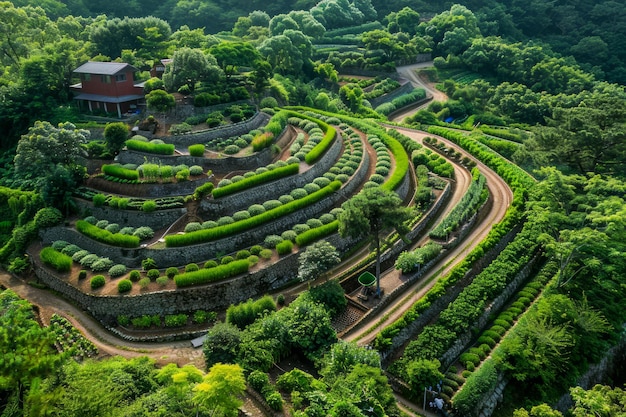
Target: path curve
x,y
408,72
502,198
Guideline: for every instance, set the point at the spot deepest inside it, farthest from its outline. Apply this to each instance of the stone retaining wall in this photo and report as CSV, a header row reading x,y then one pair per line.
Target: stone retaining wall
x,y
184,255
220,165
158,219
464,341
150,190
214,296
214,208
414,328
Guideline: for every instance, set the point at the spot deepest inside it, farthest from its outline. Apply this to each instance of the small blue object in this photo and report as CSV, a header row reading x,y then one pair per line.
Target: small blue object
x,y
449,119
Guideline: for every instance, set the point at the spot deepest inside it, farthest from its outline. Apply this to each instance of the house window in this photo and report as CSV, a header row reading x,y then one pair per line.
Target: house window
x,y
105,79
120,77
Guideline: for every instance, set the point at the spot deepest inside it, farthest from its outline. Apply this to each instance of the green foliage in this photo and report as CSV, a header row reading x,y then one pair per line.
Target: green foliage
x,y
255,180
55,259
148,206
97,281
104,236
118,171
205,276
117,270
476,386
463,210
284,248
240,226
115,134
159,100
123,286
149,147
196,150
244,314
409,261
316,259
153,274
176,320
317,233
48,217
331,295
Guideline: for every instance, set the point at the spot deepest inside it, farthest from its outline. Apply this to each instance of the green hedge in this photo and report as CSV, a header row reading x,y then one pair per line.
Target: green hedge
x,y
156,148
205,276
479,383
317,233
120,172
207,235
104,236
55,259
255,180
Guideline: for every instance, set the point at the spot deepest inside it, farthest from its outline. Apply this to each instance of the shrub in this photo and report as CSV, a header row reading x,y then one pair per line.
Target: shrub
x,y
82,274
156,148
104,236
153,274
268,102
242,254
263,140
97,282
48,217
192,227
224,220
171,272
226,260
203,191
78,256
118,171
124,285
298,193
204,276
117,270
256,209
134,276
313,223
271,241
201,316
102,264
143,233
101,224
55,259
275,401
231,149
70,249
89,260
266,254
285,247
148,206
182,175
252,181
191,267
196,150
176,320
210,264
289,235
144,282
113,228
241,215
256,249
98,200
195,170
59,244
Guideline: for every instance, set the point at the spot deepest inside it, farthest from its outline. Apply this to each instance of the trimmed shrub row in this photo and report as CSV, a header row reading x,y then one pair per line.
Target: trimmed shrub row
x,y
118,171
104,236
317,233
205,276
148,147
464,209
207,235
55,259
255,180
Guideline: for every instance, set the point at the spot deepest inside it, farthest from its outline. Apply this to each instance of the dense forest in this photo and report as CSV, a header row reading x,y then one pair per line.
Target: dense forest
x,y
535,91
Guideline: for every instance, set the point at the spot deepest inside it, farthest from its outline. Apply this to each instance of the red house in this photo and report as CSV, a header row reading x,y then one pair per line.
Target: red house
x,y
108,86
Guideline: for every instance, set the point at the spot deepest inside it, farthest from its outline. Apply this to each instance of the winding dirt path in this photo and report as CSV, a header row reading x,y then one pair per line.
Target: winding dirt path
x,y
502,198
408,72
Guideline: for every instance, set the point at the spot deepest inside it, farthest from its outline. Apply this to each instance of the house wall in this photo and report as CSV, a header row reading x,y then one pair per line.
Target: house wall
x,y
96,85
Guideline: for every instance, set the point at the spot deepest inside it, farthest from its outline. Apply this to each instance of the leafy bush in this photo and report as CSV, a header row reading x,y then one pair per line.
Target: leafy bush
x,y
78,256
171,272
143,233
245,313
82,274
97,282
226,260
285,247
149,147
134,275
191,267
119,172
48,217
148,206
98,200
262,141
266,254
317,233
89,260
104,236
210,264
124,285
144,282
272,240
162,281
117,270
55,259
153,274
102,264
205,276
203,190
256,180
475,387
176,320
196,150
242,254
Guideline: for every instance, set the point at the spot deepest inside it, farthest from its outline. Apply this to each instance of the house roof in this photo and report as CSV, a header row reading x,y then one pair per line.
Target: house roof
x,y
108,99
104,68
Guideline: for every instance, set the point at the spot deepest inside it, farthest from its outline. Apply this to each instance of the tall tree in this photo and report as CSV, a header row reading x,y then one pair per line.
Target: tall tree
x,y
188,67
370,214
221,389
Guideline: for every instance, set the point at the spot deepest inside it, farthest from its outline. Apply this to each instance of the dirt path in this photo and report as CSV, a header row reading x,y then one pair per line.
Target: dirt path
x,y
108,344
408,72
502,197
